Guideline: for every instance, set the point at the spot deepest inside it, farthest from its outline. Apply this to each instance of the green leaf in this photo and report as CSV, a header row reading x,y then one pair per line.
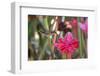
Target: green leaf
x,y
46,26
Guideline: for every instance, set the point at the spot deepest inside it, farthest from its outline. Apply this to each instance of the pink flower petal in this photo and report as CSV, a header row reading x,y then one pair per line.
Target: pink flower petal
x,y
68,37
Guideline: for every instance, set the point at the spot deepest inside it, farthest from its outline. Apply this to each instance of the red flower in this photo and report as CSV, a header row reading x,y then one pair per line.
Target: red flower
x,y
74,22
67,44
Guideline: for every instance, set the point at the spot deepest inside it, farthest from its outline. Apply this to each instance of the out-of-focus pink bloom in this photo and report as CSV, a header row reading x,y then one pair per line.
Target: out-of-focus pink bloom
x,y
67,44
84,26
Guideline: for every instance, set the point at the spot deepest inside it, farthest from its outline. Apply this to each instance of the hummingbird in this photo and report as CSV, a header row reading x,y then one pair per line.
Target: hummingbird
x,y
48,33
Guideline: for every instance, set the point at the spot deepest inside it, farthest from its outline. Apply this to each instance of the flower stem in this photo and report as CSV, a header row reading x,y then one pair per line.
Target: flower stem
x,y
80,41
69,56
64,56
